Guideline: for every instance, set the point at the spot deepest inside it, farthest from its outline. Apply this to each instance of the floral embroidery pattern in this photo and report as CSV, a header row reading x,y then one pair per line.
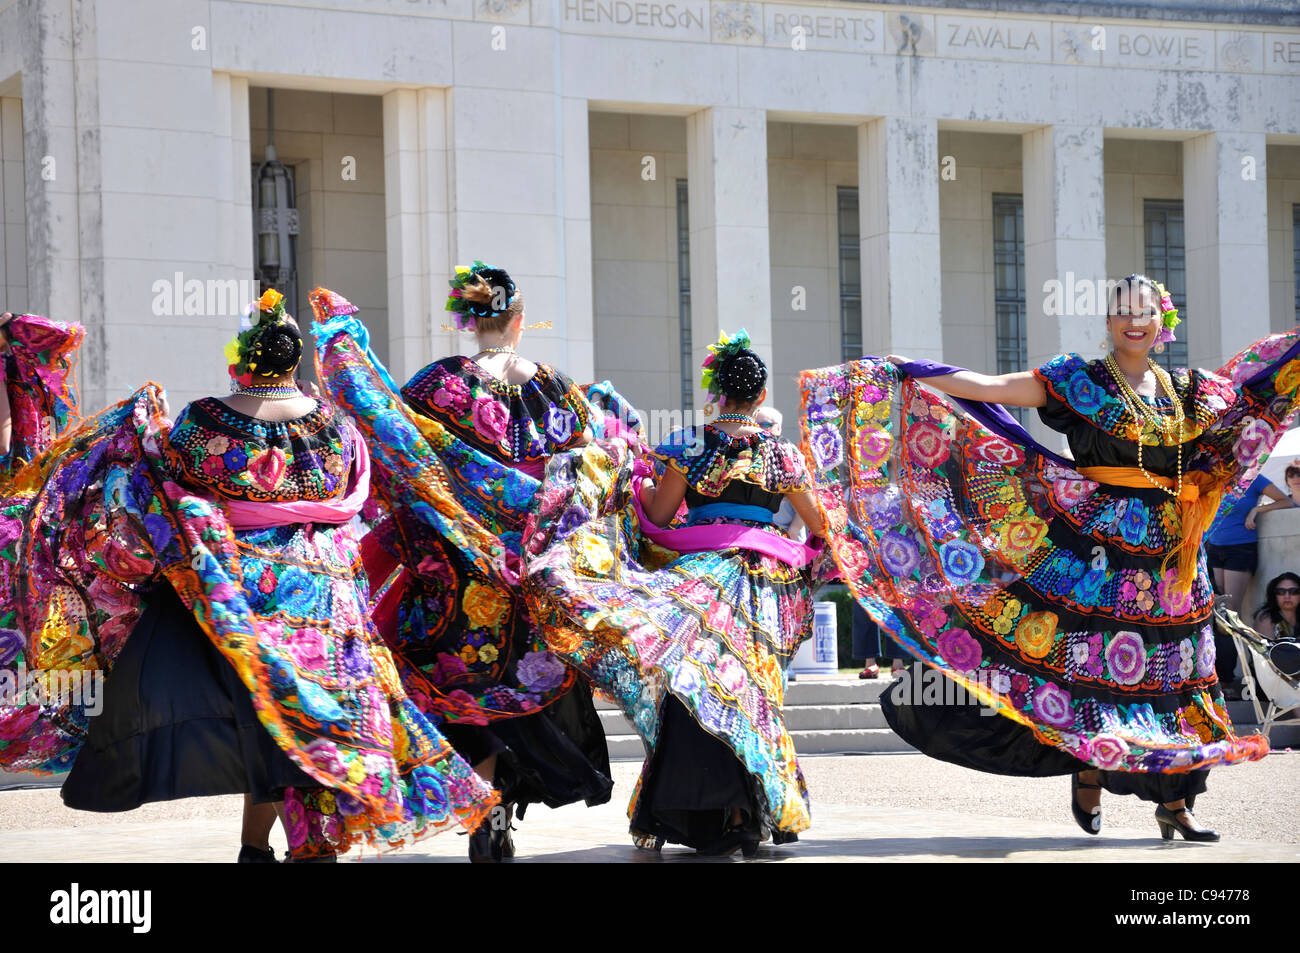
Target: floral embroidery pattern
x,y
1027,582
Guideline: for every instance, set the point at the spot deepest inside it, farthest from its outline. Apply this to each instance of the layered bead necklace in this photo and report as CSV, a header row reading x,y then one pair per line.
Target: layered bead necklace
x,y
1149,423
270,391
743,419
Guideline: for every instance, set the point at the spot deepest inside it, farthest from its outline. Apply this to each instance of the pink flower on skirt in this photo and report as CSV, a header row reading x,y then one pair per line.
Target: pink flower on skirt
x,y
490,418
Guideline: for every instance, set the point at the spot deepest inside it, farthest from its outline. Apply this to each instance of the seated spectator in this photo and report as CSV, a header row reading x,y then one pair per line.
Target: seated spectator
x,y
1276,619
1232,554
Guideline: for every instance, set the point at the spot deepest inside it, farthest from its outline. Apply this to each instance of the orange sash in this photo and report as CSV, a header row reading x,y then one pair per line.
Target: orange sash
x,y
1197,503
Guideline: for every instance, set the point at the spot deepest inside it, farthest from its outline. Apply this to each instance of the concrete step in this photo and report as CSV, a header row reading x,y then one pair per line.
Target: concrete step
x,y
820,690
797,718
21,779
820,741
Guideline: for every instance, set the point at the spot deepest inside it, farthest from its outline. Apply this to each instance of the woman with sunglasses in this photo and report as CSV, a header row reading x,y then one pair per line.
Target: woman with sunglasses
x,y
1276,618
1067,593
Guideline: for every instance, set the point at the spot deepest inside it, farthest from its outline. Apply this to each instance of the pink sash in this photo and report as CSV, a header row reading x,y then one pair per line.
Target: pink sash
x,y
247,515
698,539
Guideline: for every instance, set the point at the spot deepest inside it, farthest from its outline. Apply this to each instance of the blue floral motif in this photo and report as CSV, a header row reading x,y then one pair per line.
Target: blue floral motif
x,y
962,562
1083,394
318,703
1088,589
1133,524
296,593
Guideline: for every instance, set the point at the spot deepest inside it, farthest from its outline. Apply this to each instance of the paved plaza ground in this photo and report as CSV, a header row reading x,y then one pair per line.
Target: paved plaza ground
x,y
899,807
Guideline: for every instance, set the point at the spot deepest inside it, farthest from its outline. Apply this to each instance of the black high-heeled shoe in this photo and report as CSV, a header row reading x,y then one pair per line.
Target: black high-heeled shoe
x,y
491,842
1090,821
1169,823
255,855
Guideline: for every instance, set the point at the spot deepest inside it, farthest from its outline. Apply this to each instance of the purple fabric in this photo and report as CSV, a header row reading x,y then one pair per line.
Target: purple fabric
x,y
718,536
994,417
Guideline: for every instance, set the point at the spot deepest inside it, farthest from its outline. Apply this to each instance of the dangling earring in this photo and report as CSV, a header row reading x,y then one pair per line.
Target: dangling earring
x,y
1159,348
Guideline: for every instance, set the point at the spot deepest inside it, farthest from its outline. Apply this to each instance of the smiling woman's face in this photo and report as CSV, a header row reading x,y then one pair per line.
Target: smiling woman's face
x,y
1134,320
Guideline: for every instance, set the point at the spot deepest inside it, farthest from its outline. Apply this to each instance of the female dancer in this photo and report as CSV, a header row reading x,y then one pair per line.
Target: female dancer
x,y
690,629
485,426
1069,594
208,569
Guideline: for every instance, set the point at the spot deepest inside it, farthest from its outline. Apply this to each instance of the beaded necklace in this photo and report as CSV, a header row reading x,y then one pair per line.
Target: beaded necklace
x,y
270,391
736,419
1149,422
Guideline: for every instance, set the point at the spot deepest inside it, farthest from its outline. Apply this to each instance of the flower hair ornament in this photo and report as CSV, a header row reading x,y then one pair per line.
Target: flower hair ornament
x,y
245,353
719,354
465,312
1168,315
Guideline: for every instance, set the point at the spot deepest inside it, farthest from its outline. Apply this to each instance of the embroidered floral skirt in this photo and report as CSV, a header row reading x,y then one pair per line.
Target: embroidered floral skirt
x,y
86,527
1030,588
713,630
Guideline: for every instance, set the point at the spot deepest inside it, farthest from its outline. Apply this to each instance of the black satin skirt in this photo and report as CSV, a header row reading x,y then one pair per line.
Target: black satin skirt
x,y
692,785
177,722
555,757
961,735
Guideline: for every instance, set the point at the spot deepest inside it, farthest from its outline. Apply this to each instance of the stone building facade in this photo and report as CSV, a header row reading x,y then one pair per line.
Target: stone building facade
x,y
839,178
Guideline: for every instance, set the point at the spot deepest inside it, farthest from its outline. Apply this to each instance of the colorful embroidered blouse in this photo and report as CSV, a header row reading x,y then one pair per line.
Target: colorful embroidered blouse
x,y
1084,403
712,462
243,458
519,424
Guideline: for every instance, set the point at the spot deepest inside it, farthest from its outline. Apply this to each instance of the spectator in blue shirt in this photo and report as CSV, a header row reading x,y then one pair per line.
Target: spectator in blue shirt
x,y
1232,554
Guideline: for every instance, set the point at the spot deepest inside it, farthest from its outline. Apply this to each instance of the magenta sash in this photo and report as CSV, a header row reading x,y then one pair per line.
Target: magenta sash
x,y
533,468
247,515
718,536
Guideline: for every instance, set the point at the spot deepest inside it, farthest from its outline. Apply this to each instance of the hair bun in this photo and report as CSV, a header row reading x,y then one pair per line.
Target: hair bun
x,y
742,376
278,350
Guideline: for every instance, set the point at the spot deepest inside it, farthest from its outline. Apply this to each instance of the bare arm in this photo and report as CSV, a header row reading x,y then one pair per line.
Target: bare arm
x,y
806,508
1280,502
660,502
1021,389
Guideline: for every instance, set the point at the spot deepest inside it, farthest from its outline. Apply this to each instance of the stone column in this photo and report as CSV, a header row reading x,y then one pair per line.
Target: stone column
x,y
13,236
1065,242
1225,202
898,214
50,160
415,184
730,252
233,179
575,186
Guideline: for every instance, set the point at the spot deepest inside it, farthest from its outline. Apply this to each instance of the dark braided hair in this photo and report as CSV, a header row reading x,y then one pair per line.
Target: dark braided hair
x,y
742,376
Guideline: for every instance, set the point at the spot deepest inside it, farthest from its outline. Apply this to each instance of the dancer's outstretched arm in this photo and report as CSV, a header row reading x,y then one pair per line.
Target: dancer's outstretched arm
x,y
1021,389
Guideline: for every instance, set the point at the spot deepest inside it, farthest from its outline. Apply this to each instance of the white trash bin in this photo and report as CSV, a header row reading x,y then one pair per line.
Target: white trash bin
x,y
820,654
